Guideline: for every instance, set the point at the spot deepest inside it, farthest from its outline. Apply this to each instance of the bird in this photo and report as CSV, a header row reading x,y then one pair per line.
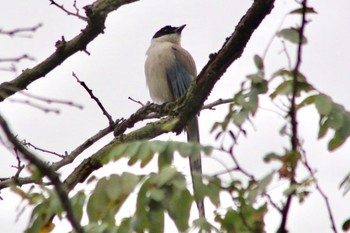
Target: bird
x,y
169,71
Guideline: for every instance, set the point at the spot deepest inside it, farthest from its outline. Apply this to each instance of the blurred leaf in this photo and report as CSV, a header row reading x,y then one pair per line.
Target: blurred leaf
x,y
285,88
291,35
323,104
260,188
271,156
156,220
309,10
180,213
240,117
165,175
98,202
258,62
307,101
336,141
157,194
109,195
47,228
346,225
78,201
213,190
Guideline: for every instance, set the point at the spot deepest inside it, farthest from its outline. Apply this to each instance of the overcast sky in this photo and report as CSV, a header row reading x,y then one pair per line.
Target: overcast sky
x,y
114,71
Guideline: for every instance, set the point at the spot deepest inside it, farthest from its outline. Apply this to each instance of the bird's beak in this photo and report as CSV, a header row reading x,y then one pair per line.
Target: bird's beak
x,y
179,29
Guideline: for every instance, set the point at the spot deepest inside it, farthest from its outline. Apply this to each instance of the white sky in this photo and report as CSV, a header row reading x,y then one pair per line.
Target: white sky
x,y
114,71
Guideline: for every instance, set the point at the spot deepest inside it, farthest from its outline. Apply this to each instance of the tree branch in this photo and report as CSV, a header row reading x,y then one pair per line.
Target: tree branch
x,y
97,14
293,119
47,171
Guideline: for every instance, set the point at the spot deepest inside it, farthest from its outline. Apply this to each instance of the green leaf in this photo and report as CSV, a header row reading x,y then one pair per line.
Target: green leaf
x,y
98,202
307,101
309,10
115,153
180,213
336,141
259,63
78,201
284,88
260,188
346,225
213,190
323,104
165,175
291,35
157,194
156,220
240,117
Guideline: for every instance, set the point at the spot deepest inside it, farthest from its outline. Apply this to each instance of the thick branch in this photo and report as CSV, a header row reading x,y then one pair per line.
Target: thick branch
x,y
97,14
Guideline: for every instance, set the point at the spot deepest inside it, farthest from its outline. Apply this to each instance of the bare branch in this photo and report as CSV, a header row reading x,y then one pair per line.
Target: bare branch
x,y
136,101
217,103
294,140
17,59
52,101
28,144
92,96
18,32
52,2
37,106
47,171
97,14
321,192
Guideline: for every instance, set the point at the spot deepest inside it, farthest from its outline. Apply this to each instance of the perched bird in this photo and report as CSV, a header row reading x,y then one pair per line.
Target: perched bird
x,y
169,70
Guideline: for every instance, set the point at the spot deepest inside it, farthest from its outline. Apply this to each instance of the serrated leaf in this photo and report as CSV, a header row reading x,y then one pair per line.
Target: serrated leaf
x,y
323,104
291,35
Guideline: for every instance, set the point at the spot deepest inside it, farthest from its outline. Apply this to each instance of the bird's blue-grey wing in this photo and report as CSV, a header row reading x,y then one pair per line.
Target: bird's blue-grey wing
x,y
181,73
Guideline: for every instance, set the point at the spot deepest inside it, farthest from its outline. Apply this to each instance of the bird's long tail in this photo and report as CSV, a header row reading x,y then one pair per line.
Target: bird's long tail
x,y
195,164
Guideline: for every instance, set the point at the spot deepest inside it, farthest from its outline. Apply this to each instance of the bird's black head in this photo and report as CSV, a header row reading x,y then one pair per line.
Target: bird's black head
x,y
168,30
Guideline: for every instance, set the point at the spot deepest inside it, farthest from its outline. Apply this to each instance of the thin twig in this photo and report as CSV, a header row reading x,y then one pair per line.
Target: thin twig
x,y
324,196
92,96
51,101
17,59
293,119
47,171
19,165
28,144
34,105
52,2
16,32
216,103
136,101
